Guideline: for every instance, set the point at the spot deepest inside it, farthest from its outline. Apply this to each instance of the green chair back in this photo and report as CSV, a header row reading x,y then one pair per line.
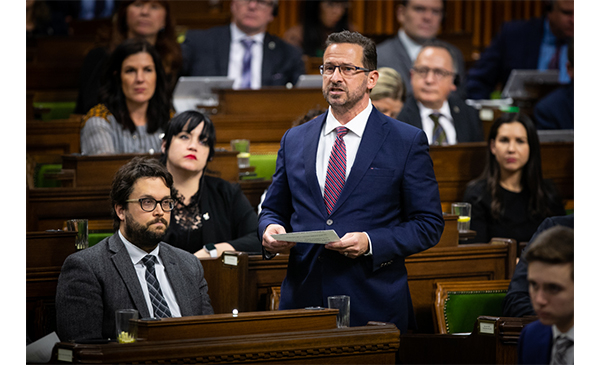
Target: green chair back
x,y
462,308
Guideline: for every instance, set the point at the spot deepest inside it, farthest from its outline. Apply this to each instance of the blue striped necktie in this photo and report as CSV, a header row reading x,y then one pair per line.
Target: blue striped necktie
x,y
159,304
336,170
246,64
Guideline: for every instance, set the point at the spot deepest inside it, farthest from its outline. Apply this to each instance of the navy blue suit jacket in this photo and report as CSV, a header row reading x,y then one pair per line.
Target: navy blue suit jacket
x,y
517,46
466,119
206,53
557,109
535,344
391,194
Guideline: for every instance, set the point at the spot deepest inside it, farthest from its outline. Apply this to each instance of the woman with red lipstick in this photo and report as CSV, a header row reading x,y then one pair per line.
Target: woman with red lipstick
x,y
149,20
510,199
211,214
135,106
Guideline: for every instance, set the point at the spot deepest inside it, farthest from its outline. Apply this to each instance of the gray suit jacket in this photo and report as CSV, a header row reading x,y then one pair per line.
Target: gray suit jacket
x,y
466,119
392,53
95,282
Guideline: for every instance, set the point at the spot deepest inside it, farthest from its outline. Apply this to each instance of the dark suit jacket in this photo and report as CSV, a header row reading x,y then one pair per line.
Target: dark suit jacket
x,y
466,119
535,344
557,109
391,194
517,46
95,282
517,302
392,53
206,53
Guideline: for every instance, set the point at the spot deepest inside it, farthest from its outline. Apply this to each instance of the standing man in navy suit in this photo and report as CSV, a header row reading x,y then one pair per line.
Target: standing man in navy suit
x,y
245,43
550,339
385,204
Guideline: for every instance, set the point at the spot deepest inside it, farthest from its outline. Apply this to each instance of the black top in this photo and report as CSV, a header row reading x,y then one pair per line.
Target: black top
x,y
223,214
90,78
515,221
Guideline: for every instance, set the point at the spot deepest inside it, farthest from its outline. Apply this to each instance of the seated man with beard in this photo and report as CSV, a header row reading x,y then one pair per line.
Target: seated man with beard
x,y
132,266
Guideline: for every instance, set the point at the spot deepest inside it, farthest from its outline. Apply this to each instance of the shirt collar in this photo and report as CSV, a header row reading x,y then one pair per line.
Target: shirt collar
x,y
548,38
237,35
135,253
570,334
357,125
412,48
444,110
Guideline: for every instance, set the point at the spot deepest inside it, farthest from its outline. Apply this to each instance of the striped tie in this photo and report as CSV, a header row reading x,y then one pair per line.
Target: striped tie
x,y
246,63
439,135
159,304
336,170
563,344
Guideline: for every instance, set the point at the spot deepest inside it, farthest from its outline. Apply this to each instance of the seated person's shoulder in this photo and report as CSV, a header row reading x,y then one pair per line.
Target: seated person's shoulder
x,y
98,111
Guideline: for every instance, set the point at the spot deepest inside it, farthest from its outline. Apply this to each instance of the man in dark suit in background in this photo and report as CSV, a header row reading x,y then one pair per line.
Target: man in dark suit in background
x,y
379,195
121,271
444,117
535,44
243,50
420,21
550,339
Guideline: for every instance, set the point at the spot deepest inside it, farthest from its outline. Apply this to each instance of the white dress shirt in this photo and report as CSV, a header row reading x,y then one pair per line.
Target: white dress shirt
x,y
136,254
356,128
236,57
445,120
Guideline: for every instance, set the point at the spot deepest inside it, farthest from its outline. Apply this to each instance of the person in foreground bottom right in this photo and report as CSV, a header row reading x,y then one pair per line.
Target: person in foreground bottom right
x,y
550,339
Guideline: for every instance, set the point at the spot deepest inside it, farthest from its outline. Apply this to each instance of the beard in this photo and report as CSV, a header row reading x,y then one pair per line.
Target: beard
x,y
348,99
141,235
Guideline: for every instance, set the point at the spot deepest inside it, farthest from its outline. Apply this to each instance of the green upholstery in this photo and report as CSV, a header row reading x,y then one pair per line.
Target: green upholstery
x,y
94,238
264,165
462,308
57,109
40,181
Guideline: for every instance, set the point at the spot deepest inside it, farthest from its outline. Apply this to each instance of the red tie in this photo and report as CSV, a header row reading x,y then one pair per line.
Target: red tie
x,y
336,170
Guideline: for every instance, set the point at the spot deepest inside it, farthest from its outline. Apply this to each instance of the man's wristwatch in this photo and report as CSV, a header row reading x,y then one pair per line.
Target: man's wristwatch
x,y
211,249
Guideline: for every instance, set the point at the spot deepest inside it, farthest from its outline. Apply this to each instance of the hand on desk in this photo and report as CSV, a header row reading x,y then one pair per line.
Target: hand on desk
x,y
271,244
221,247
352,245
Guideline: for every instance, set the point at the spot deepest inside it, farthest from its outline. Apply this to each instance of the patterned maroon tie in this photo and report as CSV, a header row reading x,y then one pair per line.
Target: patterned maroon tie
x,y
336,170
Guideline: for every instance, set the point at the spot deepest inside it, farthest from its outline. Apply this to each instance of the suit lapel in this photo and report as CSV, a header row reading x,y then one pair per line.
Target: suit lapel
x,y
373,138
269,55
122,262
175,277
223,52
457,115
310,161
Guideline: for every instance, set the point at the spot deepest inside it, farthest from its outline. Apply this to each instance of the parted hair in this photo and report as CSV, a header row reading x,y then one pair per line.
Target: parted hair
x,y
111,91
194,118
541,193
367,44
553,246
128,174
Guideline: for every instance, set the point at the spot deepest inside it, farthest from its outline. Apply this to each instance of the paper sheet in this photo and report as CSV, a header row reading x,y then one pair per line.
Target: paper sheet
x,y
40,351
319,237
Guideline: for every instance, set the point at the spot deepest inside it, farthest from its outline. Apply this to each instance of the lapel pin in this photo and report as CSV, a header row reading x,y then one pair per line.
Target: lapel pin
x,y
206,216
271,45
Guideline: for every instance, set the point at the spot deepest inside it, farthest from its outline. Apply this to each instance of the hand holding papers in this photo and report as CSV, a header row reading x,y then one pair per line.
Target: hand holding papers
x,y
318,237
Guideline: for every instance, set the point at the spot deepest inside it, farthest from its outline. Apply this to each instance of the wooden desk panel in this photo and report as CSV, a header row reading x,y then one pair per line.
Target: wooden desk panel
x,y
354,345
270,101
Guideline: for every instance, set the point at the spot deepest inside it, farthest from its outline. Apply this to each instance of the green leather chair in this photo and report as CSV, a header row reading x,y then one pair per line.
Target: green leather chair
x,y
459,303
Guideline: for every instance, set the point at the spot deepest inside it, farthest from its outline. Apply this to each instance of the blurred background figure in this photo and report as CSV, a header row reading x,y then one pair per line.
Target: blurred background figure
x,y
510,199
420,21
321,18
388,95
42,20
135,106
149,20
211,215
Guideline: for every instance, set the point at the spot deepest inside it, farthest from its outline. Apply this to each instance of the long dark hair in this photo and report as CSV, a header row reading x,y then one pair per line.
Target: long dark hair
x,y
111,92
531,177
166,41
315,33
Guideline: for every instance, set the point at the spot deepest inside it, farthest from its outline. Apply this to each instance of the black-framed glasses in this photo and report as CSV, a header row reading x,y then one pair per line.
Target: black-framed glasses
x,y
264,4
346,70
149,204
438,73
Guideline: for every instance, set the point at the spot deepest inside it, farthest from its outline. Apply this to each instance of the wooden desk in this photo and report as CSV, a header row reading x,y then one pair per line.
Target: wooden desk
x,y
46,252
270,101
354,345
480,347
